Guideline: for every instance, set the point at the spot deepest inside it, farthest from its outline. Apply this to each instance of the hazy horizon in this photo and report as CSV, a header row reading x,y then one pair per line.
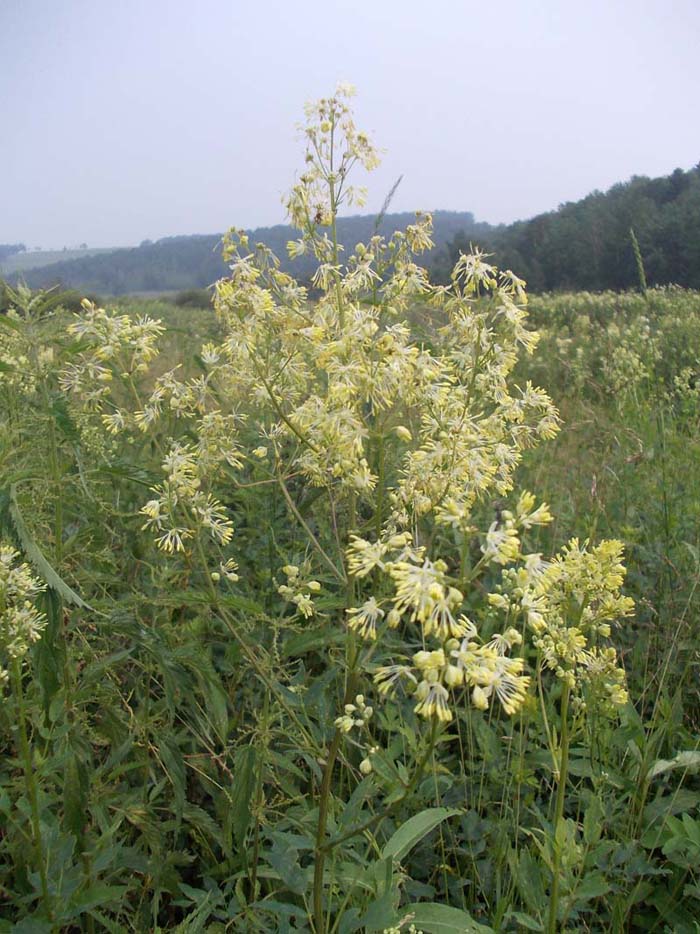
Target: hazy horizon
x,y
144,121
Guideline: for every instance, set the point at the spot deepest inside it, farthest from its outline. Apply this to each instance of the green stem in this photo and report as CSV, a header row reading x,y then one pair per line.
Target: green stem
x,y
56,477
30,784
259,800
246,649
334,231
559,808
320,853
410,787
312,538
379,518
324,801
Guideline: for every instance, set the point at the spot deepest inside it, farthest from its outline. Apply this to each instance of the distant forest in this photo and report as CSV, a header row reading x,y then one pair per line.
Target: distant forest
x,y
582,245
587,244
179,263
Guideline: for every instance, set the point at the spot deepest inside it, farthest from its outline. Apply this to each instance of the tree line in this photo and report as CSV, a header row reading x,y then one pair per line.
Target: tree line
x,y
190,262
587,244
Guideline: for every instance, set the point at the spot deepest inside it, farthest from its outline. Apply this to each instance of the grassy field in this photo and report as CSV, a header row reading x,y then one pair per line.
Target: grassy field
x,y
35,259
176,726
376,613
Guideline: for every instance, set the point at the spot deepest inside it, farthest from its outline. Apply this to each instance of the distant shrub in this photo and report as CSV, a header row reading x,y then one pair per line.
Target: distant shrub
x,y
193,298
70,299
4,297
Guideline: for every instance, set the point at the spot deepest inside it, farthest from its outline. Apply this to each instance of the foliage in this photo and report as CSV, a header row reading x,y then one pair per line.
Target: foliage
x,y
10,249
193,298
303,666
587,244
194,262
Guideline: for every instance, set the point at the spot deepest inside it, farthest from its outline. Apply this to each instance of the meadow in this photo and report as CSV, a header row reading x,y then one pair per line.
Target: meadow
x,y
371,612
36,259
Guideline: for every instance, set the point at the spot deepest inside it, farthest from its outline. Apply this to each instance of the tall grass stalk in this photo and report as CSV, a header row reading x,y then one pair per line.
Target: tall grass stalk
x,y
31,787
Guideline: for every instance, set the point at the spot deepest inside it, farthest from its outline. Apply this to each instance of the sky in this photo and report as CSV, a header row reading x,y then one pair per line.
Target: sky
x,y
140,119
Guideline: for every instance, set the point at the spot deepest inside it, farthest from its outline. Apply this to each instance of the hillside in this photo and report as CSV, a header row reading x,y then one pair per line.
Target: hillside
x,y
587,244
175,263
582,245
21,262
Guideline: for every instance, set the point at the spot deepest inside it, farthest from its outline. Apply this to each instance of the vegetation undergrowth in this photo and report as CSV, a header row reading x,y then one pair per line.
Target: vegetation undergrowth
x,y
288,643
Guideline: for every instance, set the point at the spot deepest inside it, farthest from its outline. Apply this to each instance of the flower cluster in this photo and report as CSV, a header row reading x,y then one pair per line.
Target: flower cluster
x,y
423,595
112,345
483,669
623,345
396,399
334,146
569,605
16,372
502,541
298,589
333,381
21,624
181,508
356,715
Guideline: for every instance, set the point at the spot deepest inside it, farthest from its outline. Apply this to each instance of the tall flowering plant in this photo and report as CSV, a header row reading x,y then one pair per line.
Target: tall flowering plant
x,y
383,410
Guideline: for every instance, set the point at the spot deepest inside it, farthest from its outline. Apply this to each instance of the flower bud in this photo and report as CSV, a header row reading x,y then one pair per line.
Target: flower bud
x,y
366,766
479,698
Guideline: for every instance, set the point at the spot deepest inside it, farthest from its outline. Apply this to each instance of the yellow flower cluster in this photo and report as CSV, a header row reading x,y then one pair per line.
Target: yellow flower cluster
x,y
424,595
21,624
344,391
569,605
356,715
181,508
298,589
113,345
16,372
484,669
334,145
27,331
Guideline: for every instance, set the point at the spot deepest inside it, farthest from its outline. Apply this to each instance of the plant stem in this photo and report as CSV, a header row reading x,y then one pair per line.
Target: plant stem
x,y
320,853
30,784
324,801
259,799
334,233
410,787
559,807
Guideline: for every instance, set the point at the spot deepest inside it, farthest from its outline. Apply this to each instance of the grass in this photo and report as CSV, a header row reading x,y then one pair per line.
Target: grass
x,y
181,770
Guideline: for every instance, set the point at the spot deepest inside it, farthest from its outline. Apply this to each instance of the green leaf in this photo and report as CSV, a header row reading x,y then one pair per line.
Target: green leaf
x,y
74,797
36,557
303,642
283,857
593,821
174,765
688,760
32,925
97,895
49,651
95,671
381,913
443,919
413,831
682,799
527,873
525,921
594,885
244,784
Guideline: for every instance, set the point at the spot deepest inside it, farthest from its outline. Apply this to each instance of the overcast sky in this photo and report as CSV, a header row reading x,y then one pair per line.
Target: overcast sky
x,y
140,119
